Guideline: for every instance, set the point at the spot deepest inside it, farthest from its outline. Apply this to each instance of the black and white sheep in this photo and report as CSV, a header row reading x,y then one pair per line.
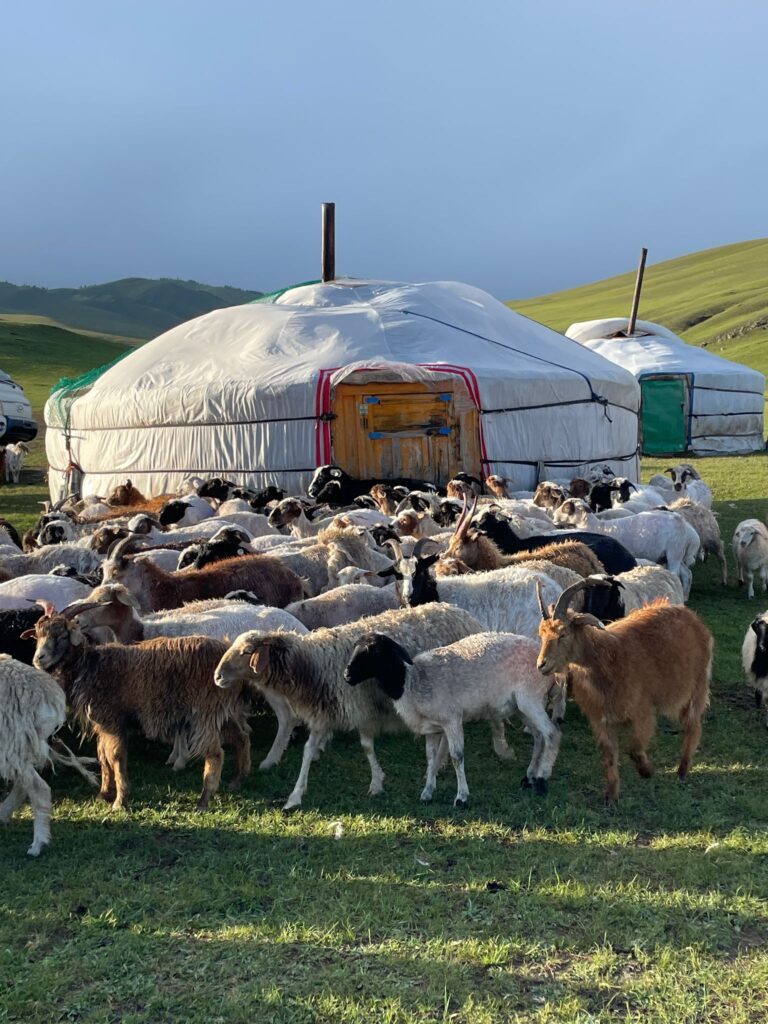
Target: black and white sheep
x,y
484,677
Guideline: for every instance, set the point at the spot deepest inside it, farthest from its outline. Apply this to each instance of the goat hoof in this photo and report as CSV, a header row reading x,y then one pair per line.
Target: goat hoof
x,y
426,797
758,699
462,804
266,765
525,782
36,849
540,787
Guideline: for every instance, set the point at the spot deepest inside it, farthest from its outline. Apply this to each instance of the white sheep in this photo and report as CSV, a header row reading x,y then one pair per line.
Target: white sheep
x,y
750,552
14,460
704,522
32,709
484,677
42,560
347,603
59,591
657,536
309,671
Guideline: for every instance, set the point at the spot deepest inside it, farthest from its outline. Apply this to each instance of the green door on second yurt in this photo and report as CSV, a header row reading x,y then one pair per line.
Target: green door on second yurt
x,y
664,415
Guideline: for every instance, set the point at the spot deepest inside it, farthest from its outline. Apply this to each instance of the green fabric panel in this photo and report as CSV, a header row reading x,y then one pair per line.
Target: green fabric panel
x,y
663,412
271,297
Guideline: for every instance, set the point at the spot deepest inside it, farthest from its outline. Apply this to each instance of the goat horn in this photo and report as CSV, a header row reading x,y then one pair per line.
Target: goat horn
x,y
78,606
395,545
420,545
461,532
460,520
544,613
570,592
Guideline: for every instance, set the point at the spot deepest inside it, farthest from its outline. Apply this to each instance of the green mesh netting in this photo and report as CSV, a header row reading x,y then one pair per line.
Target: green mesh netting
x,y
274,296
67,389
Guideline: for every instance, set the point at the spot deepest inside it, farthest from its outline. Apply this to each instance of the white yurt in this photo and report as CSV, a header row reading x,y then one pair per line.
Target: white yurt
x,y
380,378
692,400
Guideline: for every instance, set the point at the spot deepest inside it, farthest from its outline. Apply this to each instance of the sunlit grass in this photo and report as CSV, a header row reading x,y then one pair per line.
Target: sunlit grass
x,y
357,910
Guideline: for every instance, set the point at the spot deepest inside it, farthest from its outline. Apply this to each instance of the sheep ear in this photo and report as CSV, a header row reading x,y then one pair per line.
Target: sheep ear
x,y
31,634
76,635
125,597
336,473
259,660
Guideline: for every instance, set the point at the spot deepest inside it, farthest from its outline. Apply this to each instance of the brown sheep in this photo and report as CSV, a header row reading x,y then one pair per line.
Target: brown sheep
x,y
579,487
549,495
126,495
165,685
657,660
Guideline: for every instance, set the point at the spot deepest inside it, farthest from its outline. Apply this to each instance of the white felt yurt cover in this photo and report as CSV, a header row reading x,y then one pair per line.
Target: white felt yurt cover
x,y
727,399
245,392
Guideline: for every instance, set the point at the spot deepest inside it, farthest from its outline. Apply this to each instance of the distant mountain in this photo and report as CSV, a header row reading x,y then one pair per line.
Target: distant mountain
x,y
135,307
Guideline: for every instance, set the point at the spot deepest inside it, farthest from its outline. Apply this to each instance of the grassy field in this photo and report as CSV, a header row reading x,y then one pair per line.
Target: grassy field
x,y
715,298
385,910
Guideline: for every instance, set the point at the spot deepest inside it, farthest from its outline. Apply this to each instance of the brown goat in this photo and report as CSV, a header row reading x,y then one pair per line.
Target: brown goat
x,y
480,553
126,495
657,660
498,485
165,685
384,497
155,590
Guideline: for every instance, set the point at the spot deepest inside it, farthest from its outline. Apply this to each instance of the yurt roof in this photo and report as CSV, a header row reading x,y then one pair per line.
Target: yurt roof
x,y
275,346
655,349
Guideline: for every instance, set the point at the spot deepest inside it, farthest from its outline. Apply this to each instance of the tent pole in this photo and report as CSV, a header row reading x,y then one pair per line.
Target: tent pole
x,y
329,241
636,296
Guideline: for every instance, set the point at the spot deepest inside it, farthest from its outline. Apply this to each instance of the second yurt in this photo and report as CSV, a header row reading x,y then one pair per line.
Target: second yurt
x,y
692,400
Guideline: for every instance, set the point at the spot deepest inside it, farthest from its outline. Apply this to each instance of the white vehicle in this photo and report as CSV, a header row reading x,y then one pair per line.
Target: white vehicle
x,y
16,423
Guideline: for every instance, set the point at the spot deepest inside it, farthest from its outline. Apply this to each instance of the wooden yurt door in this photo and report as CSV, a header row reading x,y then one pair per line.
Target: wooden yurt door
x,y
402,429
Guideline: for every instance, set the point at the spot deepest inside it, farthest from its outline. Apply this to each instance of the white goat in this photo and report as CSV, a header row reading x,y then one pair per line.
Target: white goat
x,y
14,460
485,677
58,591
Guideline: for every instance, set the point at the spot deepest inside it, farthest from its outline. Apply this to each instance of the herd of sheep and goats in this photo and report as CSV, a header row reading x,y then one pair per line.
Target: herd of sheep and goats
x,y
362,606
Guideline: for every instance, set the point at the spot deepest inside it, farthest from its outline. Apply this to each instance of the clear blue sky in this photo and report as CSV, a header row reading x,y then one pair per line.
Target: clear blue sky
x,y
520,146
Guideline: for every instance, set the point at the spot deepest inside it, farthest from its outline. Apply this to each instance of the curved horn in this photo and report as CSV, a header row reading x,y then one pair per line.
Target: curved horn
x,y
396,548
461,532
78,606
542,607
420,545
570,592
460,520
121,548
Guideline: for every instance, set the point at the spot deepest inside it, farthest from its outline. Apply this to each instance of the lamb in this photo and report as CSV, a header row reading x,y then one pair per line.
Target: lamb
x,y
754,658
658,660
344,604
155,590
704,522
351,546
656,536
114,608
687,483
14,460
482,677
750,552
549,495
308,671
498,485
164,685
32,709
630,591
292,513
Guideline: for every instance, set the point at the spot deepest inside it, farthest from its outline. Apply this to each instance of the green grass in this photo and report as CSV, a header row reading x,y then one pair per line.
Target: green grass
x,y
715,298
384,910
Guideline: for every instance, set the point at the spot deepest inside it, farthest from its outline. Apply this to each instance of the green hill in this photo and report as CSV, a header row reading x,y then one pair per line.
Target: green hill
x,y
717,298
135,307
